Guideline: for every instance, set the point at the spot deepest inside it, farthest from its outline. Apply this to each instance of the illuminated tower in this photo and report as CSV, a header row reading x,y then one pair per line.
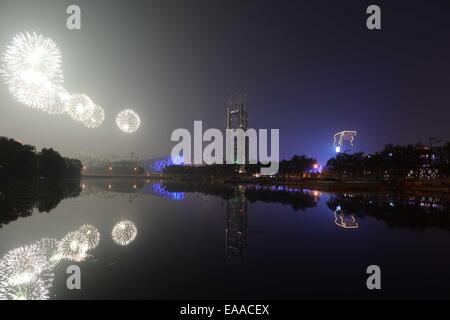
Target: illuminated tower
x,y
237,119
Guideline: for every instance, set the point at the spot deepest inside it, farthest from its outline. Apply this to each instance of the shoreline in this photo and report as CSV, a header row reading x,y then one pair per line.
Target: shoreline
x,y
433,186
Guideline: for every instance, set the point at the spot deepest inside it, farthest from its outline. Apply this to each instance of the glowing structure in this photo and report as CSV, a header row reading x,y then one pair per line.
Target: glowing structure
x,y
341,221
96,118
158,165
341,137
159,190
128,121
32,70
80,107
124,233
36,289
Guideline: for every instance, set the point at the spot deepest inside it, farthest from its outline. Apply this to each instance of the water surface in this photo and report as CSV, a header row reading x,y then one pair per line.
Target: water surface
x,y
213,241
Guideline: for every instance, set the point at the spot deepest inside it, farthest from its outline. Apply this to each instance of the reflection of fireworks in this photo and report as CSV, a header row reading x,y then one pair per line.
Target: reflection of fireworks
x,y
90,236
80,107
96,118
22,264
73,247
128,121
36,289
49,249
32,69
124,233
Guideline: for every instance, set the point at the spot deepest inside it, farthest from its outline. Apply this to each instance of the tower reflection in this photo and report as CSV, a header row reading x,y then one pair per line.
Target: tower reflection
x,y
236,229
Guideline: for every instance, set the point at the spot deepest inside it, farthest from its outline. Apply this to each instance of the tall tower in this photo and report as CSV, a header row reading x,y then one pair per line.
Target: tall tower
x,y
237,118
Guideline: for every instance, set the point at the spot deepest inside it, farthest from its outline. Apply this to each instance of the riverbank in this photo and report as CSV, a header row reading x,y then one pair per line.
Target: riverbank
x,y
321,184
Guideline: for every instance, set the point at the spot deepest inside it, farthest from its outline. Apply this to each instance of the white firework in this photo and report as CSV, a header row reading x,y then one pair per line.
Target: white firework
x,y
48,247
32,68
90,236
23,264
35,289
60,100
128,121
73,247
80,107
124,233
96,118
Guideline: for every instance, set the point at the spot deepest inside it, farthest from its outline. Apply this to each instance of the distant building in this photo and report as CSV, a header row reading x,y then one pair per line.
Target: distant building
x,y
159,164
237,118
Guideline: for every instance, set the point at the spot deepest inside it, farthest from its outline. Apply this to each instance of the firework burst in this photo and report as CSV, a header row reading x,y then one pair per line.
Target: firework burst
x,y
96,118
23,264
90,236
80,107
73,247
128,121
48,247
32,69
124,233
35,289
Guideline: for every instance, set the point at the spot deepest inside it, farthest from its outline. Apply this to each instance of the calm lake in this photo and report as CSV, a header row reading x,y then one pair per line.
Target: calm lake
x,y
165,240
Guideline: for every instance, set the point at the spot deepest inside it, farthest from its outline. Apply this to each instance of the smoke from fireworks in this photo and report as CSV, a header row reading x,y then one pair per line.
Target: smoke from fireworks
x,y
32,69
124,233
128,121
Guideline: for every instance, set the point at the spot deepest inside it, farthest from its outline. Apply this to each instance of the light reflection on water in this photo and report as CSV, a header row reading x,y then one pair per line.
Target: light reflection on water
x,y
183,226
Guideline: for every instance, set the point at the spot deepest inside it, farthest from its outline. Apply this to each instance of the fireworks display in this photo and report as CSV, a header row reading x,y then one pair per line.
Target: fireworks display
x,y
96,118
32,69
124,233
26,272
59,104
75,245
90,235
80,107
35,289
23,264
128,121
48,248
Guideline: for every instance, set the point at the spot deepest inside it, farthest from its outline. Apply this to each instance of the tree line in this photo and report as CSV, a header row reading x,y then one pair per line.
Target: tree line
x,y
394,162
21,161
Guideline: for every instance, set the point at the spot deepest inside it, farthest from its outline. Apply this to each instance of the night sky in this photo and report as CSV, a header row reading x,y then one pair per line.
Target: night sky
x,y
309,68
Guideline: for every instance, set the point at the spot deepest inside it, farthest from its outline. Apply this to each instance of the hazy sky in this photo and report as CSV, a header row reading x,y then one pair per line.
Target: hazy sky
x,y
309,68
